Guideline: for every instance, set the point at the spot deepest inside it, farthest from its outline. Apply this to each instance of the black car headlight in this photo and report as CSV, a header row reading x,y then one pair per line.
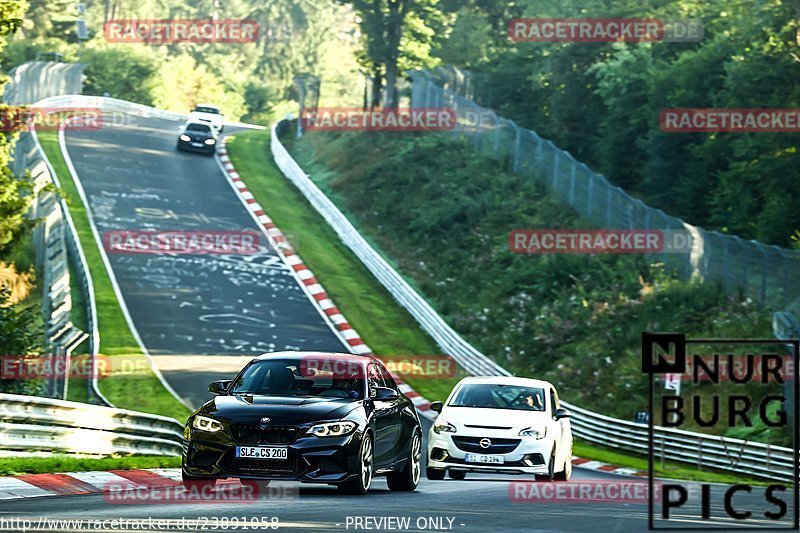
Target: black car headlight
x,y
210,141
185,138
332,429
204,423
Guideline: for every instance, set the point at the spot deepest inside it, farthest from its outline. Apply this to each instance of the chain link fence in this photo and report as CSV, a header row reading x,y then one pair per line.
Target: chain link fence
x,y
768,274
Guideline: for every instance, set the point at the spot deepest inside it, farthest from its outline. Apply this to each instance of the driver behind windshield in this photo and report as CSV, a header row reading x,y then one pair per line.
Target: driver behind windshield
x,y
348,385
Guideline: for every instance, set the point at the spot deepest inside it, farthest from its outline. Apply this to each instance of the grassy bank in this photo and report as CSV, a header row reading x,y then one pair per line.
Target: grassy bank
x,y
141,391
443,213
383,324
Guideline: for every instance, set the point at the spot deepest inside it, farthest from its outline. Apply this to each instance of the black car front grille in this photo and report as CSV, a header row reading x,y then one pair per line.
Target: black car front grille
x,y
497,446
249,434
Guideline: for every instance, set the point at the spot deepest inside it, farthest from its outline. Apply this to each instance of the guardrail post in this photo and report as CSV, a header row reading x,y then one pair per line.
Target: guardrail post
x,y
769,458
699,455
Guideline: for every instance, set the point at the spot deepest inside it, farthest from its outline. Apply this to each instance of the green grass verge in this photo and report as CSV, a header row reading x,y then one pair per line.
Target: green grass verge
x,y
10,466
383,324
141,391
669,469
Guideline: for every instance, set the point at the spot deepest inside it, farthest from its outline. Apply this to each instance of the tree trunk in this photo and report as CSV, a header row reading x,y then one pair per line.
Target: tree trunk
x,y
377,87
394,32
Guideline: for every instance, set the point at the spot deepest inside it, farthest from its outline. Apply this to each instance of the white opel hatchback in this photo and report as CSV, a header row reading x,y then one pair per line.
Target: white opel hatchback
x,y
501,425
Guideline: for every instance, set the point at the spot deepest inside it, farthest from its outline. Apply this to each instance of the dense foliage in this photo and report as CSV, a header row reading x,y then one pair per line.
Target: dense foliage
x,y
601,102
249,80
573,319
20,331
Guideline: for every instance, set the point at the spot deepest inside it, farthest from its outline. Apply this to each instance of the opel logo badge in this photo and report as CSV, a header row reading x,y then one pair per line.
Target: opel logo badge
x,y
485,443
265,420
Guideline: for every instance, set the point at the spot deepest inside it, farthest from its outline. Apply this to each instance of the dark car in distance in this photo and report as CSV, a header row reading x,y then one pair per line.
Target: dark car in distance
x,y
328,418
198,137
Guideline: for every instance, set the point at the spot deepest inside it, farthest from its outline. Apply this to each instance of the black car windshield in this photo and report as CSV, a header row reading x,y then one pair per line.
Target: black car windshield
x,y
207,110
205,128
296,377
496,396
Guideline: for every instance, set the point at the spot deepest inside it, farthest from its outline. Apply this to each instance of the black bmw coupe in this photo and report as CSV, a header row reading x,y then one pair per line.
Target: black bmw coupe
x,y
328,418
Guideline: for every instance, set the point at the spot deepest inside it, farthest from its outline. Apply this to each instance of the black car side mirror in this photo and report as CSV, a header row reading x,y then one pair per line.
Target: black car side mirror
x,y
384,393
562,413
219,386
437,406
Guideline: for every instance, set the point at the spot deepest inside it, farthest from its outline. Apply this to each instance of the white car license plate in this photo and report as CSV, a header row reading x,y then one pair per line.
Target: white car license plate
x,y
484,458
197,145
261,452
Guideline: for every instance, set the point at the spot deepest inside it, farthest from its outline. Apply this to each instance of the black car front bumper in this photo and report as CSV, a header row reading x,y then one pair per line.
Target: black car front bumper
x,y
190,146
310,459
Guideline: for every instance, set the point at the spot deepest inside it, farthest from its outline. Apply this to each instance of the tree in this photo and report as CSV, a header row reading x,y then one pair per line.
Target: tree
x,y
385,26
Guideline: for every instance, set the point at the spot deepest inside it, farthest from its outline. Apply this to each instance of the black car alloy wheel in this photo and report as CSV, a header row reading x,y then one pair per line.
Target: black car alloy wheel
x,y
362,480
407,479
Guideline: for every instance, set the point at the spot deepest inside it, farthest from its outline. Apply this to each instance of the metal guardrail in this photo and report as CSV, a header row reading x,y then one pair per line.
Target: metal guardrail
x,y
735,455
36,80
30,422
53,239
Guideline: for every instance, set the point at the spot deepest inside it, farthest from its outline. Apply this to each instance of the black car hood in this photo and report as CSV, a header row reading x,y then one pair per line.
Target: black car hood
x,y
289,410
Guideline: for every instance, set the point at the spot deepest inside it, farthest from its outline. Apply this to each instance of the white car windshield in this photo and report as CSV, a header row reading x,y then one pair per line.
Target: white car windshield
x,y
496,396
198,127
210,110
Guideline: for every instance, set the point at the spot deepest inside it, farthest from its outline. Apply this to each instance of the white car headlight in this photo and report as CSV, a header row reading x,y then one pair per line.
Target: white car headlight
x,y
333,429
185,138
211,141
537,433
444,427
205,423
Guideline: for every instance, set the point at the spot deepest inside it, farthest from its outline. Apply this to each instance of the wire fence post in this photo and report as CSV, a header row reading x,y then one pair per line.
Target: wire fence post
x,y
556,162
725,263
517,143
608,206
496,133
572,180
590,196
629,215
